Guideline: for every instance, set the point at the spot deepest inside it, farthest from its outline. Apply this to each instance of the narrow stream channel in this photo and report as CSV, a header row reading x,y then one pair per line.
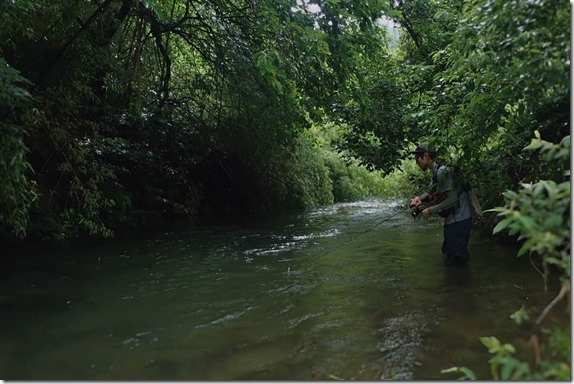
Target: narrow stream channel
x,y
355,291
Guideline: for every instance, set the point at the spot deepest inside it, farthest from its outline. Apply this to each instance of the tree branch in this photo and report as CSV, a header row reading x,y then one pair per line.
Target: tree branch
x,y
65,47
563,291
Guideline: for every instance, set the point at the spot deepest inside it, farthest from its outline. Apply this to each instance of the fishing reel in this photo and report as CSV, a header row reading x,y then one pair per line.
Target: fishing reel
x,y
416,210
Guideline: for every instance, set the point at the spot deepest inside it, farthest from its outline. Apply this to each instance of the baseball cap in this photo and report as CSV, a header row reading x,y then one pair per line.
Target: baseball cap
x,y
423,148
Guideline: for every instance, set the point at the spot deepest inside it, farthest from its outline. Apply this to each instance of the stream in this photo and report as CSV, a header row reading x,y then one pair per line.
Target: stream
x,y
354,291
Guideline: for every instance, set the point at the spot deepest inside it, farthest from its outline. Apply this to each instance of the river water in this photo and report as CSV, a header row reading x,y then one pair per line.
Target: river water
x,y
356,291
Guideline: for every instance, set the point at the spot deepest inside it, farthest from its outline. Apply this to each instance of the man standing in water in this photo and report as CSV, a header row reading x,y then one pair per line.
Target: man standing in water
x,y
448,198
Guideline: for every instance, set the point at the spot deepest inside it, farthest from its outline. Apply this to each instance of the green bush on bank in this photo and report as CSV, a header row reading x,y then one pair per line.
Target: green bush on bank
x,y
538,214
351,180
17,192
319,176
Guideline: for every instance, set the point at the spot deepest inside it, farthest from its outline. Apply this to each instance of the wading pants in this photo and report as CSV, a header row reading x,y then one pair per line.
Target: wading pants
x,y
455,244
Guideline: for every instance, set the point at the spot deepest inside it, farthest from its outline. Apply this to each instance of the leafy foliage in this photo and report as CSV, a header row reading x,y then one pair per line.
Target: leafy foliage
x,y
171,109
505,80
504,366
17,193
539,214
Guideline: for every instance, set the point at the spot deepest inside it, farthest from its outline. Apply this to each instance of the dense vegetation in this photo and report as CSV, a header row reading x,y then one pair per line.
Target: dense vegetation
x,y
131,113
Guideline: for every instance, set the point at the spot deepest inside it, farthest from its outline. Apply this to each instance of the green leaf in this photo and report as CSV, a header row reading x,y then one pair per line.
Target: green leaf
x,y
502,225
507,369
526,247
468,372
520,316
527,222
490,342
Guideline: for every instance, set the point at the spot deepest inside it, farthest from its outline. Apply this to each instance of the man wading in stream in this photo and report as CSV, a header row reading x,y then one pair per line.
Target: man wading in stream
x,y
448,198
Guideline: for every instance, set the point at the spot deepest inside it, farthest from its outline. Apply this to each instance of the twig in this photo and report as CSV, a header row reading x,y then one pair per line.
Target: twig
x,y
563,291
536,346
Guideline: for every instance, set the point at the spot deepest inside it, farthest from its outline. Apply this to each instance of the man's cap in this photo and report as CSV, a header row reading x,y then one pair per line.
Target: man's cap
x,y
423,148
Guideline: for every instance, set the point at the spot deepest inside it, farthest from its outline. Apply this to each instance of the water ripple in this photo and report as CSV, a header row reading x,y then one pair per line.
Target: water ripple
x,y
225,319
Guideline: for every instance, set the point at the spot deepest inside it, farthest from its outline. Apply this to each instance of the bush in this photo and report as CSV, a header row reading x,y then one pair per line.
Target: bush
x,y
539,214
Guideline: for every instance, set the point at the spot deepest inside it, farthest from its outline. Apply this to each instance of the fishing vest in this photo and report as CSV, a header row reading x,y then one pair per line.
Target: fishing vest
x,y
462,210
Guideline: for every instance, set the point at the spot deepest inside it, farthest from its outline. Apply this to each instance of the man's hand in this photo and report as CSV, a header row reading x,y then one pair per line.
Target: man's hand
x,y
426,212
416,201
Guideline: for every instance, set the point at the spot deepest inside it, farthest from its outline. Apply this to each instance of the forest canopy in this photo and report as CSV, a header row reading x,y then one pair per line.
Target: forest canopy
x,y
117,112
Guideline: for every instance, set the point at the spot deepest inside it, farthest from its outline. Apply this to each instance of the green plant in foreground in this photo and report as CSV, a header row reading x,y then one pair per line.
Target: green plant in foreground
x,y
539,214
504,366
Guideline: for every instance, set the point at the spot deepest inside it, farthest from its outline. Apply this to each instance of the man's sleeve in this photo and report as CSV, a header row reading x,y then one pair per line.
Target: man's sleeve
x,y
445,185
450,201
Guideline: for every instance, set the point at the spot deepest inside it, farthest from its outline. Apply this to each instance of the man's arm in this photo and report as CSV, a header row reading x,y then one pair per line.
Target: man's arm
x,y
418,200
450,201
